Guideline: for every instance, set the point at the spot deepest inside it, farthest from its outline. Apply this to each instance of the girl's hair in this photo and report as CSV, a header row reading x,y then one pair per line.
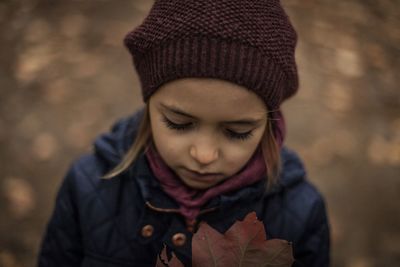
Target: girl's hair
x,y
141,140
270,149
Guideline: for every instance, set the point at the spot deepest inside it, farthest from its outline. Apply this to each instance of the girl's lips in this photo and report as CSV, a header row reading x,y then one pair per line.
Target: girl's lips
x,y
201,177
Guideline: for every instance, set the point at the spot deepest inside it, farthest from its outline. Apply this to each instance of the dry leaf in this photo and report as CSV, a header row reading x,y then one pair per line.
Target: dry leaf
x,y
163,261
244,245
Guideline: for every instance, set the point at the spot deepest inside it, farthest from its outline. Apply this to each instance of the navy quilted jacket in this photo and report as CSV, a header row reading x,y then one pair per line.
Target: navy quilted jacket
x,y
100,223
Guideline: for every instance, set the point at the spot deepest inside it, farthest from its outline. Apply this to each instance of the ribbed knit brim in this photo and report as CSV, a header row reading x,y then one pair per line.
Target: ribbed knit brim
x,y
212,58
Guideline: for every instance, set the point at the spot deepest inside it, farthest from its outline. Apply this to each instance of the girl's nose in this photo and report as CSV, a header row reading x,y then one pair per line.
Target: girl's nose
x,y
203,154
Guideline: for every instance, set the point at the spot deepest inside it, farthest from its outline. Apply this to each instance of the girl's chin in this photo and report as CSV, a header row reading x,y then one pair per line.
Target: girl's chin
x,y
196,181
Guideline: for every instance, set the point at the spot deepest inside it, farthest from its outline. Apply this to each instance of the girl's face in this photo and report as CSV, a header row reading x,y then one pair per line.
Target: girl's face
x,y
206,129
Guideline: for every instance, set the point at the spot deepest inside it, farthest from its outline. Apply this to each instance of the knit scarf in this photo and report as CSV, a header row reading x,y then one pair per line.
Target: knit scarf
x,y
190,200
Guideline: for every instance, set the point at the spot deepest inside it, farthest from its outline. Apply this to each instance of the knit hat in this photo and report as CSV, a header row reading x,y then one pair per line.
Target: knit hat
x,y
247,42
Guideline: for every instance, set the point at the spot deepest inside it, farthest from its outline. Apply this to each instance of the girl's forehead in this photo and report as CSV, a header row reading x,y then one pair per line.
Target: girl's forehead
x,y
200,94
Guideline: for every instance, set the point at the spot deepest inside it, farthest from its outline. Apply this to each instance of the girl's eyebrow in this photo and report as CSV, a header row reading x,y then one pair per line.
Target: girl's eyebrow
x,y
245,122
177,110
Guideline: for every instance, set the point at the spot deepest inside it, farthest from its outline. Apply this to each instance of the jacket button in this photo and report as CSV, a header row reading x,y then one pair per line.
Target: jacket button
x,y
179,239
147,230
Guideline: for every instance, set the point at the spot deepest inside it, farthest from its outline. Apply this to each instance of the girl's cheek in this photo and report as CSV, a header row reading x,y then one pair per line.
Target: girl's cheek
x,y
233,156
236,156
172,145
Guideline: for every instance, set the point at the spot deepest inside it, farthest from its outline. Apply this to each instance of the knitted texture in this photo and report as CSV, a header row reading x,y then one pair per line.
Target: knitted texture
x,y
247,42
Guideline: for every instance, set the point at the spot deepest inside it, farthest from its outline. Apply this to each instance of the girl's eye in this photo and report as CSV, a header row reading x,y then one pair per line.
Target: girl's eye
x,y
176,126
239,136
186,126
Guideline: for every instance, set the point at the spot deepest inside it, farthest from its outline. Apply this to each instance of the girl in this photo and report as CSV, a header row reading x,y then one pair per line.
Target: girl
x,y
207,146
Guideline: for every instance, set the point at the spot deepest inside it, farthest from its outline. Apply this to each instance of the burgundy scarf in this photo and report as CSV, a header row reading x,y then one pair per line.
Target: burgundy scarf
x,y
190,200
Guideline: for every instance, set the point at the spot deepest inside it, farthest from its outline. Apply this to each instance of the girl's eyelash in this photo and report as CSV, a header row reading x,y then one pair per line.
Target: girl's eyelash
x,y
241,136
230,134
175,126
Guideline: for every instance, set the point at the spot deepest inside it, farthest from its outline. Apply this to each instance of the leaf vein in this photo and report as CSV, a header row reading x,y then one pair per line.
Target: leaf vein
x,y
210,251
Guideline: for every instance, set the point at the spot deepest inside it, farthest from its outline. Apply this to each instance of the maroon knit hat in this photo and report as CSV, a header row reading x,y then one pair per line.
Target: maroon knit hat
x,y
248,42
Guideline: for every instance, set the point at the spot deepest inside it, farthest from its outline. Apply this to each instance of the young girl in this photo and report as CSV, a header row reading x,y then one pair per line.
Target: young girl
x,y
207,146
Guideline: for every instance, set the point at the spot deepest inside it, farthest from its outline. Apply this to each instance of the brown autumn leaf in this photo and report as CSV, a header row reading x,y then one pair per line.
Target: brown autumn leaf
x,y
163,261
244,244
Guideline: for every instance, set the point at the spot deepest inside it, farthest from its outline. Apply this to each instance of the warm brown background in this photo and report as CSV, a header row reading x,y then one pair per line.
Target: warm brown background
x,y
65,77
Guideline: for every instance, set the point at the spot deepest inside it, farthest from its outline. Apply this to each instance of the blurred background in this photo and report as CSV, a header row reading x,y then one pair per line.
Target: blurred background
x,y
65,77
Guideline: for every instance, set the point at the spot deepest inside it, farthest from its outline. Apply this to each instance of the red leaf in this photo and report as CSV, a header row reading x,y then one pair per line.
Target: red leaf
x,y
244,244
